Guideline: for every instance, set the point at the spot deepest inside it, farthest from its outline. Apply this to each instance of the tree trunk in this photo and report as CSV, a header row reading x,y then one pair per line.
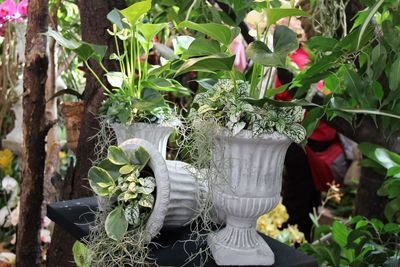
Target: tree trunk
x,y
35,128
94,25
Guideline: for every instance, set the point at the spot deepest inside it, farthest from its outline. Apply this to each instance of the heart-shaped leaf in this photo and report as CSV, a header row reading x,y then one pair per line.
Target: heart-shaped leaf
x,y
150,30
275,14
135,11
221,33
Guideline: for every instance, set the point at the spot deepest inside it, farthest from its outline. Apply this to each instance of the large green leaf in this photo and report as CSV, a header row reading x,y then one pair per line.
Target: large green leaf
x,y
149,99
223,34
367,21
149,30
392,208
312,119
321,43
340,233
82,255
260,54
116,224
115,78
275,14
168,85
85,51
218,62
394,75
111,168
202,47
285,40
100,180
116,17
142,156
354,84
182,43
135,11
378,57
117,156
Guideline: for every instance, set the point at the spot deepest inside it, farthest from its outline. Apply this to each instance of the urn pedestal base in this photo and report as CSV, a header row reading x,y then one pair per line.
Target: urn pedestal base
x,y
228,255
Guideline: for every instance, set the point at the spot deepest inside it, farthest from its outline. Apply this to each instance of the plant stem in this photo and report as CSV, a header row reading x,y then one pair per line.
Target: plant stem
x,y
97,77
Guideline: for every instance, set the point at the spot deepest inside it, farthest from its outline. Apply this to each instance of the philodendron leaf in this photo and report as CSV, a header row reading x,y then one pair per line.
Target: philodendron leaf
x,y
149,30
115,78
221,33
116,225
82,255
85,51
142,156
275,14
260,54
135,11
116,17
117,156
100,180
202,47
285,40
147,201
218,62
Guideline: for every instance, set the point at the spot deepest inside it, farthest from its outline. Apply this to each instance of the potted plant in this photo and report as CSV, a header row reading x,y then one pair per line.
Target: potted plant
x,y
241,135
133,187
134,105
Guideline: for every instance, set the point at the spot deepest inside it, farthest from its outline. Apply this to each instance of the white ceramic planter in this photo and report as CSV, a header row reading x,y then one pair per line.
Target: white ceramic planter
x,y
246,183
160,171
156,134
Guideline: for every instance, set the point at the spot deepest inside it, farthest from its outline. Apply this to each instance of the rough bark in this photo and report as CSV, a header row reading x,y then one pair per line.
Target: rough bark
x,y
35,127
94,25
53,145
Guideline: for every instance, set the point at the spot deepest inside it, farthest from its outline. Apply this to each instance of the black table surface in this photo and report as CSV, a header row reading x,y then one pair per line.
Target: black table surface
x,y
75,216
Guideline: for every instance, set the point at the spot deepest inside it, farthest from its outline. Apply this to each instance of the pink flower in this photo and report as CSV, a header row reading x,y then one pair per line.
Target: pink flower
x,y
22,8
45,236
300,57
237,47
8,9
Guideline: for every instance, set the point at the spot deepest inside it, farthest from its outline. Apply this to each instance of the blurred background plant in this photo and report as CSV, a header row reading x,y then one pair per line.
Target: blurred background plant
x,y
272,225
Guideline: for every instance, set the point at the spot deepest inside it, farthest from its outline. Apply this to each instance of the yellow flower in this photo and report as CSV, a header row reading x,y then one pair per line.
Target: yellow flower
x,y
6,157
62,154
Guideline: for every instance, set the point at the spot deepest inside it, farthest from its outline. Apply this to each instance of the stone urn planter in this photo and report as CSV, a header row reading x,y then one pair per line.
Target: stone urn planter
x,y
246,183
156,134
72,112
162,197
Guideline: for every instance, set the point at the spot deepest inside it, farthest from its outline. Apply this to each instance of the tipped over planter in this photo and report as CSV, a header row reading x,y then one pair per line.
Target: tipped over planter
x,y
246,184
140,178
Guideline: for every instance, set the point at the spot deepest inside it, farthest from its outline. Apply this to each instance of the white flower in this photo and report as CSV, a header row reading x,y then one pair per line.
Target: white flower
x,y
14,216
7,257
46,222
45,236
9,184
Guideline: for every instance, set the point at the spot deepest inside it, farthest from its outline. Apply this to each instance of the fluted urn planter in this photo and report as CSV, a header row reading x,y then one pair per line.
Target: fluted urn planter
x,y
246,183
156,134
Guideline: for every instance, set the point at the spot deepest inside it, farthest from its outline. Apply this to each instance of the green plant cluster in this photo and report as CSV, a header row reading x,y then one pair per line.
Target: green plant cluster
x,y
118,178
361,242
225,103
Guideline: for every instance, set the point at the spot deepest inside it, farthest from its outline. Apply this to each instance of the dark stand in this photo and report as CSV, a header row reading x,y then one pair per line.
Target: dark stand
x,y
75,216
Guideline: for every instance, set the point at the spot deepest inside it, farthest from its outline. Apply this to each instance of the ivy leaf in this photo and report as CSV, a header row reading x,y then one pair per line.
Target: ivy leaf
x,y
117,156
116,225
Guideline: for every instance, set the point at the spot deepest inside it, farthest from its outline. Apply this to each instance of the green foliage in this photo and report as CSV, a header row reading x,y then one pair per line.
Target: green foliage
x,y
82,255
361,242
388,161
226,104
118,177
363,79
